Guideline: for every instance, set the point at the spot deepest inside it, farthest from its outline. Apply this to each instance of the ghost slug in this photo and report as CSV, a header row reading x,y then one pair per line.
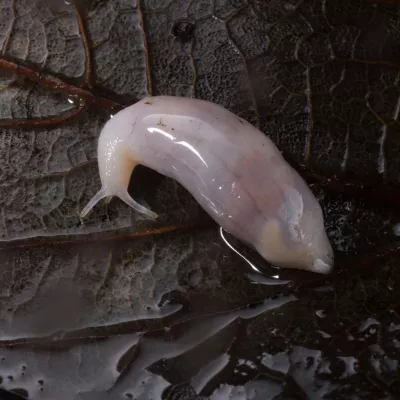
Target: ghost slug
x,y
232,169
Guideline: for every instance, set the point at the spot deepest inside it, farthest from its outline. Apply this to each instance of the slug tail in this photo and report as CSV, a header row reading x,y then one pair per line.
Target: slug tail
x,y
124,196
95,199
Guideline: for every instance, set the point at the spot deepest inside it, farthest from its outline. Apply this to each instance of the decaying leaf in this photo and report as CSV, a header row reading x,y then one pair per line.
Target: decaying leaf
x,y
119,307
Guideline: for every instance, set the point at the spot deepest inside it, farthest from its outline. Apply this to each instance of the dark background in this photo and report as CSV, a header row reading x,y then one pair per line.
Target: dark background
x,y
119,307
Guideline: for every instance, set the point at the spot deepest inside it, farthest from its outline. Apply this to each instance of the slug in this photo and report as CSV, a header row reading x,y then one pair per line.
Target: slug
x,y
232,169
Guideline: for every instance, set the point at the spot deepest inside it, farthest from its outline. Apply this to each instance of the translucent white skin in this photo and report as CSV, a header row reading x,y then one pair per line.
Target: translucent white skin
x,y
232,169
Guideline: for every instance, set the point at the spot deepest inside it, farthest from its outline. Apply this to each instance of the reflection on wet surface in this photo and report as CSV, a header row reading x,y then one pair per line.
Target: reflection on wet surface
x,y
199,314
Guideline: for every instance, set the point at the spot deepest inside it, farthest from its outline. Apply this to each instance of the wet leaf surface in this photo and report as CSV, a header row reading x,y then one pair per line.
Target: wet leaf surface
x,y
119,307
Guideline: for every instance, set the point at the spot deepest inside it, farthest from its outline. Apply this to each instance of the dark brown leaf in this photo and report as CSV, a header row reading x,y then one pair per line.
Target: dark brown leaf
x,y
119,307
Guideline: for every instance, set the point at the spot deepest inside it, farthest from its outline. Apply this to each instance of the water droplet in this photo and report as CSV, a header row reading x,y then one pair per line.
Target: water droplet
x,y
391,284
324,334
396,229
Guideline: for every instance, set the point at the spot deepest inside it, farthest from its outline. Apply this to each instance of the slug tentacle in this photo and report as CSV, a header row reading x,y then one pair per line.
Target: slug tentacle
x,y
93,201
123,195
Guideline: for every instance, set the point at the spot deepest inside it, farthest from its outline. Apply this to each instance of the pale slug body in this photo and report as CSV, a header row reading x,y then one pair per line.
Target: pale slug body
x,y
232,169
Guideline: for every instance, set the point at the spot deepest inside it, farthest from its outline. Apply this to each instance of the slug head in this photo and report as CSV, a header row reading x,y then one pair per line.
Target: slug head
x,y
115,168
296,237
